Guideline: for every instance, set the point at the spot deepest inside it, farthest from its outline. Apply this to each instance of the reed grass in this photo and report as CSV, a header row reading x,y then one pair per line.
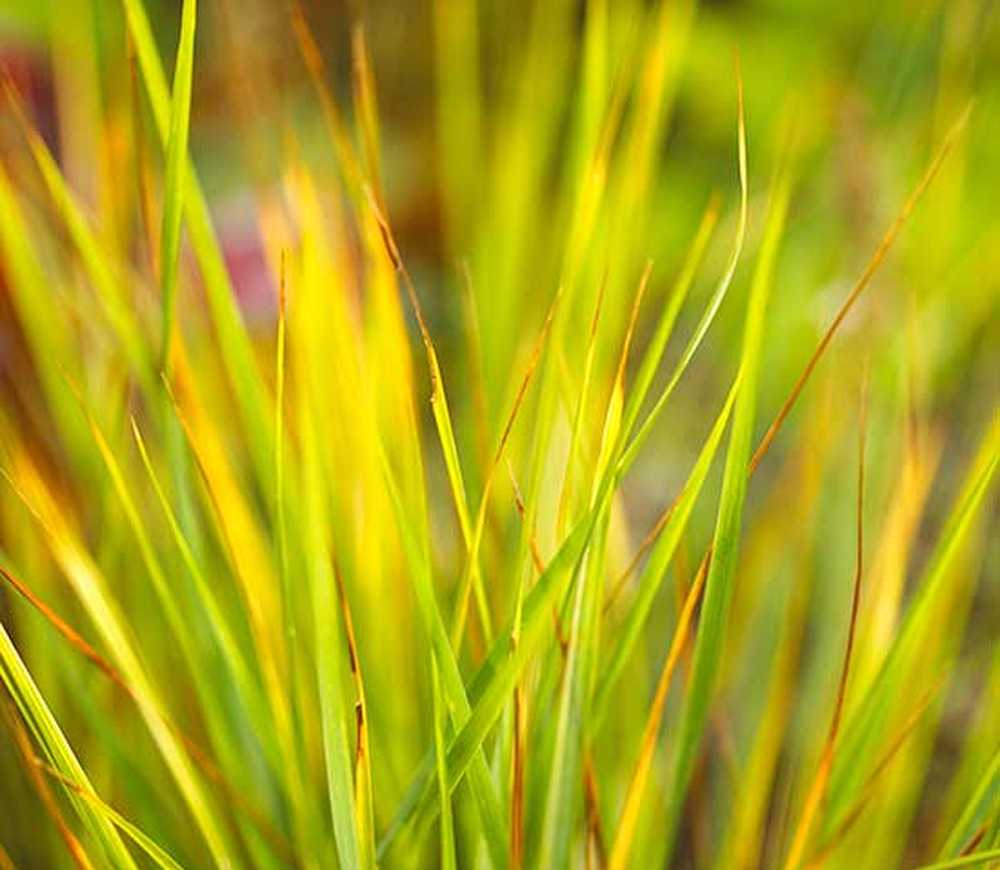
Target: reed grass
x,y
564,541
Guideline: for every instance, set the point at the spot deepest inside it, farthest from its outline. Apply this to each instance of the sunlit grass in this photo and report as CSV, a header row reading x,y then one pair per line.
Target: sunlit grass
x,y
599,535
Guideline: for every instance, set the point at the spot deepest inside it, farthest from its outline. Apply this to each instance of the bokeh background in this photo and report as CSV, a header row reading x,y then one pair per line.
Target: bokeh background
x,y
873,88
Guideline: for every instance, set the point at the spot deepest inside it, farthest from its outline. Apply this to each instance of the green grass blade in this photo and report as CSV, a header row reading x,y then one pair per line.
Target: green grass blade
x,y
707,317
94,257
91,588
447,824
656,568
443,424
50,737
329,644
725,546
493,684
562,806
234,344
236,661
499,666
175,181
983,803
972,860
159,855
664,327
455,692
864,727
46,325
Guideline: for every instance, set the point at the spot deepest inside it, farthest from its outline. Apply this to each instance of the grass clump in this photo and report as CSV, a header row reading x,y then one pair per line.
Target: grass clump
x,y
588,481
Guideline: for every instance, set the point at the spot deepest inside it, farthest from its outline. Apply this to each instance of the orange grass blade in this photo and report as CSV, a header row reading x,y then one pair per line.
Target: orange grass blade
x,y
633,797
817,790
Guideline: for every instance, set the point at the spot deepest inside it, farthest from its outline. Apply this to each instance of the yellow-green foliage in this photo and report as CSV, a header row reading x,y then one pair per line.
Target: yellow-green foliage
x,y
604,477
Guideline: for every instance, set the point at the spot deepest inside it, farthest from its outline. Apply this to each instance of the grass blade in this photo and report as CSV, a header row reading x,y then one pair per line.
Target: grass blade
x,y
91,588
630,812
973,860
174,183
725,545
234,344
447,825
660,558
340,785
455,692
49,736
817,790
159,856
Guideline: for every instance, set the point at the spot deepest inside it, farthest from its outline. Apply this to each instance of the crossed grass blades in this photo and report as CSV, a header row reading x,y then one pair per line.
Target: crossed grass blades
x,y
236,634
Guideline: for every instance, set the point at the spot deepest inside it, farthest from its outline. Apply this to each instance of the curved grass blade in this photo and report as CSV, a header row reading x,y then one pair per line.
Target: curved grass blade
x,y
985,800
154,850
40,784
577,682
678,294
442,422
725,546
660,558
509,653
47,733
721,289
90,586
973,860
207,766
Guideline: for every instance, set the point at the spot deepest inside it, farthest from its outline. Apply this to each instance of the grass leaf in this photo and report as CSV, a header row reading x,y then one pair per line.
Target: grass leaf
x,y
174,183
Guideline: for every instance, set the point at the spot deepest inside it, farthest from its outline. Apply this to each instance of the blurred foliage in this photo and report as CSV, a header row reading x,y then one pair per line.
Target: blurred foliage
x,y
301,576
